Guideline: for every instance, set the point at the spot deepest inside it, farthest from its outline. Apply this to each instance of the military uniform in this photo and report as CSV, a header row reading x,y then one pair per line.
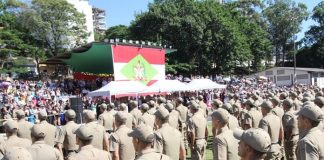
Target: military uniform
x,y
13,140
197,124
106,119
225,146
17,153
120,141
67,137
50,130
168,139
252,118
146,118
88,152
99,135
39,149
145,133
310,144
24,126
272,124
289,122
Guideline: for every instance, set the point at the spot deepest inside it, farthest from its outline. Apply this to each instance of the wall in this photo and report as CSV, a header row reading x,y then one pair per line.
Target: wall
x,y
84,7
282,76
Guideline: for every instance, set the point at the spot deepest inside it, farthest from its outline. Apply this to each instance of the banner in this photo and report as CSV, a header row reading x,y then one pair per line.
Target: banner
x,y
146,65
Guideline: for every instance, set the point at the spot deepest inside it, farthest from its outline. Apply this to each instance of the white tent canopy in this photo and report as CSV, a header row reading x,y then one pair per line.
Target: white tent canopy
x,y
202,84
119,87
167,86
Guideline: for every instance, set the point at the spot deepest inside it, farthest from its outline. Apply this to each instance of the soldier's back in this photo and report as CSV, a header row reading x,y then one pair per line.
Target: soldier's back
x,y
256,117
90,153
233,122
278,112
198,122
311,145
231,144
271,124
41,151
147,119
106,119
50,132
67,137
98,138
136,114
125,145
169,141
183,112
174,119
150,154
130,120
24,129
14,141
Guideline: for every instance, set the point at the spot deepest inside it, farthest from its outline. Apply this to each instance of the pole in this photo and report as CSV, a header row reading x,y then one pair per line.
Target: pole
x,y
294,64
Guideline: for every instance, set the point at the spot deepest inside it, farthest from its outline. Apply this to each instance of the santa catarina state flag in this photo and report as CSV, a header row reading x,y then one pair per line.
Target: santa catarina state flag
x,y
146,65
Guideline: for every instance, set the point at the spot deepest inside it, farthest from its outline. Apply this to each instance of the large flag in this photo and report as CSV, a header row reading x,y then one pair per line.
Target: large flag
x,y
146,65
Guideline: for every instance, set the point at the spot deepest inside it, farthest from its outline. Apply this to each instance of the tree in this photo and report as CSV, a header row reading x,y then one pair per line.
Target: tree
x,y
312,55
208,39
120,31
57,25
284,19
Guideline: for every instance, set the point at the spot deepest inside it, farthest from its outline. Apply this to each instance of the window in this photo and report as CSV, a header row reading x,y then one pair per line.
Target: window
x,y
283,78
269,73
282,71
322,74
302,76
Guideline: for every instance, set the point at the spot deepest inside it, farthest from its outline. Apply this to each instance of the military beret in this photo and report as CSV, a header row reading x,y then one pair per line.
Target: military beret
x,y
134,103
267,104
200,97
121,116
162,113
194,105
228,107
123,106
88,114
151,103
70,113
256,138
236,107
312,112
318,94
38,131
288,102
17,153
11,125
111,105
284,95
42,114
217,103
180,100
145,107
275,100
305,99
103,105
144,133
169,106
161,100
85,133
221,114
20,113
307,94
319,100
249,102
293,94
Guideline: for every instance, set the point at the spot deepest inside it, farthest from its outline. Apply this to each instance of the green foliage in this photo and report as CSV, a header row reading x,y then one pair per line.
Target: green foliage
x,y
284,19
119,31
57,25
210,37
312,55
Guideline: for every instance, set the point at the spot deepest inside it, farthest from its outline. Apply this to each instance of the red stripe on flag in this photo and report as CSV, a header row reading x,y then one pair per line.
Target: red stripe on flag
x,y
123,54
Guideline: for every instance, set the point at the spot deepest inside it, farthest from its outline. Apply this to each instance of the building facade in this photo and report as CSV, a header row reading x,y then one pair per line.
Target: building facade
x,y
84,7
285,75
99,22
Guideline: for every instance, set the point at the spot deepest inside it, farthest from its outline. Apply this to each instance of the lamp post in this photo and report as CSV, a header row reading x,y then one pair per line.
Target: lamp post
x,y
295,78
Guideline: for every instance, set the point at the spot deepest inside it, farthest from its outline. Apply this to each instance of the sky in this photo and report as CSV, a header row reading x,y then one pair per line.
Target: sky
x,y
123,11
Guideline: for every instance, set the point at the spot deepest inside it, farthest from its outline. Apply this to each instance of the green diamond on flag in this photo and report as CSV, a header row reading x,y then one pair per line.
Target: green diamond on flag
x,y
139,69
